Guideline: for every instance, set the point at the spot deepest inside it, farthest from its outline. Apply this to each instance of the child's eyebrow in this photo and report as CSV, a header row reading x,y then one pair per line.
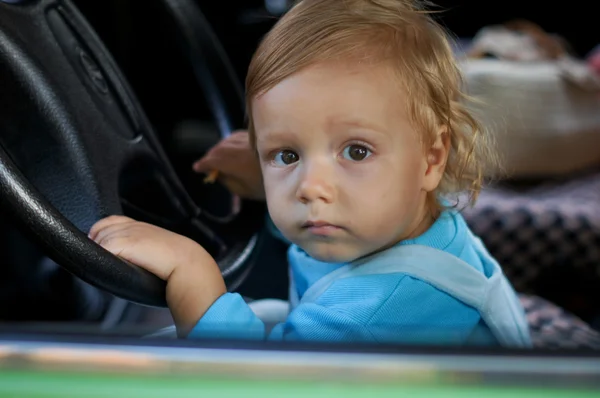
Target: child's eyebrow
x,y
273,136
357,123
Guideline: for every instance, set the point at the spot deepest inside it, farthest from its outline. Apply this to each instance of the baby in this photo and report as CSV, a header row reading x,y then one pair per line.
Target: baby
x,y
356,119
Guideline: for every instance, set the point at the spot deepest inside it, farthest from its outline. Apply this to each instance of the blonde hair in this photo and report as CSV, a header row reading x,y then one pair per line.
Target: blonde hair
x,y
400,31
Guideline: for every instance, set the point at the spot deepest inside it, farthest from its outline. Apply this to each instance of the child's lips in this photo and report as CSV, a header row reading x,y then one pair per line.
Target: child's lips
x,y
319,227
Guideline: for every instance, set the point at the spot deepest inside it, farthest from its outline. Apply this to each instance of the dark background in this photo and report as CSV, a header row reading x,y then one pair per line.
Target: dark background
x,y
161,77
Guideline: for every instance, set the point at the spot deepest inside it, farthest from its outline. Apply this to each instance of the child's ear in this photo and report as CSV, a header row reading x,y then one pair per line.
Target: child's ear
x,y
436,157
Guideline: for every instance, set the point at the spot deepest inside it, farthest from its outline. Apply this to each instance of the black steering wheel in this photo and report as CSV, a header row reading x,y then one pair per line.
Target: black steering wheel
x,y
75,145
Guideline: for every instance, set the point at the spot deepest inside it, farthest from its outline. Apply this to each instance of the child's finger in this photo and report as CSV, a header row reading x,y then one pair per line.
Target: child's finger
x,y
106,222
113,230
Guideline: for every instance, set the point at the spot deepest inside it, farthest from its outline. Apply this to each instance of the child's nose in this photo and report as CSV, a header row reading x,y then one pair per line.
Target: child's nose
x,y
316,184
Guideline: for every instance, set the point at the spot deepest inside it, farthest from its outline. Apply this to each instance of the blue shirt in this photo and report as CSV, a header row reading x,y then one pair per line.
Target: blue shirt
x,y
391,308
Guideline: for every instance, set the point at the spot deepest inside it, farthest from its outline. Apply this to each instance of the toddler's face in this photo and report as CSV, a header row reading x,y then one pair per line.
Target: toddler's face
x,y
345,173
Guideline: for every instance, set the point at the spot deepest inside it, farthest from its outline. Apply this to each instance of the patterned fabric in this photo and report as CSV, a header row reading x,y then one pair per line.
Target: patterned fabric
x,y
537,229
547,238
552,327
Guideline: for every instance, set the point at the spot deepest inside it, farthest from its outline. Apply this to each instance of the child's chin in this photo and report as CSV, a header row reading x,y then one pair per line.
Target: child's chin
x,y
331,253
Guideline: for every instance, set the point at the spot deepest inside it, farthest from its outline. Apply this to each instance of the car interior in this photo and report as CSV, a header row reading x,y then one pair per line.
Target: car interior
x,y
106,104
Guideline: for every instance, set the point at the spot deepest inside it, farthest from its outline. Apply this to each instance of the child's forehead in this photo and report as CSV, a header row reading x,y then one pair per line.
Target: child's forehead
x,y
334,86
333,78
332,97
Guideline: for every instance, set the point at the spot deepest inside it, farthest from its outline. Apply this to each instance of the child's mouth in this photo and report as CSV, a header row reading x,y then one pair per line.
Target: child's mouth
x,y
322,228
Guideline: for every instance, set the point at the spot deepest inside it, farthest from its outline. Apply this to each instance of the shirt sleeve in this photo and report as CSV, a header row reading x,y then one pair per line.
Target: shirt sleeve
x,y
375,308
229,317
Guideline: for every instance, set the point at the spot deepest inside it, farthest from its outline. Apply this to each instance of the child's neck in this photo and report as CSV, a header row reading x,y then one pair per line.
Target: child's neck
x,y
424,224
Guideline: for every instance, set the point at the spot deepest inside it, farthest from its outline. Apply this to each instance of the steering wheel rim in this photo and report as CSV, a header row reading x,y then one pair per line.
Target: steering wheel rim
x,y
67,83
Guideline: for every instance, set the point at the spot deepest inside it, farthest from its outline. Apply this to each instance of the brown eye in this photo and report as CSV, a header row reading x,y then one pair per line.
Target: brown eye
x,y
356,152
286,157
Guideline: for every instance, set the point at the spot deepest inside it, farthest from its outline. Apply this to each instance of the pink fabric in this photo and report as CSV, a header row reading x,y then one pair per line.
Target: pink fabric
x,y
594,60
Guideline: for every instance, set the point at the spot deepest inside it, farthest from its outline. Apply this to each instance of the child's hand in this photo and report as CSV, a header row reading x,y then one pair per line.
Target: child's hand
x,y
193,278
150,247
237,164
